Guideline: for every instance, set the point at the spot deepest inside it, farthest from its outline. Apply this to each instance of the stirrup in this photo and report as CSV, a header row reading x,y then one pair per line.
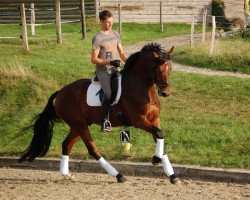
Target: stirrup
x,y
106,126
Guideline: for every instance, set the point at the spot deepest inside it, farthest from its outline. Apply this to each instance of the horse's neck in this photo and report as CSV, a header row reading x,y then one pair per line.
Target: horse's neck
x,y
140,72
139,88
139,81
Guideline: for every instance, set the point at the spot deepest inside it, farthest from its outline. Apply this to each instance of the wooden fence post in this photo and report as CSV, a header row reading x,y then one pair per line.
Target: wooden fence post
x,y
32,18
97,10
120,19
58,22
24,40
161,21
204,21
192,33
83,19
213,35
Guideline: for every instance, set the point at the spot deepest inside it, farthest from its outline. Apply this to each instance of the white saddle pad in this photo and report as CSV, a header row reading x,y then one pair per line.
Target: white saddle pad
x,y
93,97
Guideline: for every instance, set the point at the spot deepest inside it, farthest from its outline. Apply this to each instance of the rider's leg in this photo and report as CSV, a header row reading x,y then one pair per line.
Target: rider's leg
x,y
105,124
104,79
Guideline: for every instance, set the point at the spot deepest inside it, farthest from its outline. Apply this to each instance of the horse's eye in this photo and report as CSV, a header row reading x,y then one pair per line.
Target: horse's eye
x,y
160,61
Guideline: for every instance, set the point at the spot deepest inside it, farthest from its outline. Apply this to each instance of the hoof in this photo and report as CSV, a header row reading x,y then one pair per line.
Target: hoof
x,y
120,178
156,160
175,181
69,177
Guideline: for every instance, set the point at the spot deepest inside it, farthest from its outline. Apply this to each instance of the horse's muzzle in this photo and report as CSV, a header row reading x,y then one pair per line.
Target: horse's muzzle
x,y
163,93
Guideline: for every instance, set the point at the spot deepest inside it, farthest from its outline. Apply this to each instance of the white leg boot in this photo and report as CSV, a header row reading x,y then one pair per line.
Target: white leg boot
x,y
64,165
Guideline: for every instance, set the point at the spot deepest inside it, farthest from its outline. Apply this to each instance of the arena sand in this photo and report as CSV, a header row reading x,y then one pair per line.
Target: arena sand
x,y
37,184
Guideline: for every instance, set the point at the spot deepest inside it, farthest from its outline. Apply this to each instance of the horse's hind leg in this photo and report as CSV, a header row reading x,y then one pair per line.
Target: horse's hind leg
x,y
67,145
93,151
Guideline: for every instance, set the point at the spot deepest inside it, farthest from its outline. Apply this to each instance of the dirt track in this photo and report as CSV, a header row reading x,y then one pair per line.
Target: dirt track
x,y
35,184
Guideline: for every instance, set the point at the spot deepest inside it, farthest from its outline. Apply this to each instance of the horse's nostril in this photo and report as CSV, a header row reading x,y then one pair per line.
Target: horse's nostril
x,y
164,94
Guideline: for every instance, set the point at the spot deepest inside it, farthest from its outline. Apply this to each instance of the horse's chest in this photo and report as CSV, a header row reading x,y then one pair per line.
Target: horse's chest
x,y
154,105
153,108
153,112
154,100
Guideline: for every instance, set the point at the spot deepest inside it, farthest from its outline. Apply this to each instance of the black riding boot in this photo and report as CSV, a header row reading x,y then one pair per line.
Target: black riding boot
x,y
105,123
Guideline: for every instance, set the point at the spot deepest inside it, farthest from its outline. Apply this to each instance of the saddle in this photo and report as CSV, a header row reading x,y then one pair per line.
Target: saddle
x,y
95,92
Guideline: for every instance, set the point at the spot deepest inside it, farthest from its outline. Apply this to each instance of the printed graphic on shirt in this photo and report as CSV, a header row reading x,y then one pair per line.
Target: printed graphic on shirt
x,y
109,55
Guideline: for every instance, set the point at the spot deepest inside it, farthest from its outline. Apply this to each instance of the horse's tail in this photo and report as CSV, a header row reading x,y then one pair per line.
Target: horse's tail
x,y
43,132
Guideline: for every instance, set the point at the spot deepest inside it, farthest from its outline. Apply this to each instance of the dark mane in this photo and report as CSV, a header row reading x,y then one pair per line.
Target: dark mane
x,y
153,47
131,60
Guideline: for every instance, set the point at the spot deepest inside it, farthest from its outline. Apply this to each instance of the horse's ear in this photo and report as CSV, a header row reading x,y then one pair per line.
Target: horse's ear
x,y
171,51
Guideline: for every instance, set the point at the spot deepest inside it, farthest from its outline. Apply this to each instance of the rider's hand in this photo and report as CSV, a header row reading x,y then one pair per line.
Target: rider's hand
x,y
115,63
113,70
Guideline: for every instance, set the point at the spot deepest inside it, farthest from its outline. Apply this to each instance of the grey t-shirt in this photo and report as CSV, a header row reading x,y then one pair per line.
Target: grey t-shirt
x,y
107,44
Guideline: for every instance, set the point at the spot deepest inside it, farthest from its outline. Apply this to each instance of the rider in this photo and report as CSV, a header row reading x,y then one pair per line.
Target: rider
x,y
105,45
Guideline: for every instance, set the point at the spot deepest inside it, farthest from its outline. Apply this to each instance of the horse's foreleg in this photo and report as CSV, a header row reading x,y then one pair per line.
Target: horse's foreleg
x,y
67,145
93,151
160,155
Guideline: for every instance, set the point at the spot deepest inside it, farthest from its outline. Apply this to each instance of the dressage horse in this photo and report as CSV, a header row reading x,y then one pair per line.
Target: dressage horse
x,y
139,106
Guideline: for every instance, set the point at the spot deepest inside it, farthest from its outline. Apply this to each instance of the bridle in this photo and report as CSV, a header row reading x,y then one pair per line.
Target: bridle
x,y
155,70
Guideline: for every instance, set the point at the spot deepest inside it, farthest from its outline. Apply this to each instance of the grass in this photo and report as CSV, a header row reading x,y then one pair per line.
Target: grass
x,y
229,55
205,121
209,120
46,57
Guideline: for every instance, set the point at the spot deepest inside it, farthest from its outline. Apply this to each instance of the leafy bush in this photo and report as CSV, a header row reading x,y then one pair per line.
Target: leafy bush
x,y
245,33
90,23
218,9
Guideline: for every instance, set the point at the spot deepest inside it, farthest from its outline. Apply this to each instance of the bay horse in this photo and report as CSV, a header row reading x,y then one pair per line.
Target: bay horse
x,y
139,106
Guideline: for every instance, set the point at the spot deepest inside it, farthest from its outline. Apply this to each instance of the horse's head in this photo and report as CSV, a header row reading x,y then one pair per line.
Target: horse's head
x,y
155,64
161,71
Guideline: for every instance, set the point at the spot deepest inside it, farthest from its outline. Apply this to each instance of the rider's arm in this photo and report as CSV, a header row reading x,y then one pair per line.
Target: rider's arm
x,y
96,60
122,53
